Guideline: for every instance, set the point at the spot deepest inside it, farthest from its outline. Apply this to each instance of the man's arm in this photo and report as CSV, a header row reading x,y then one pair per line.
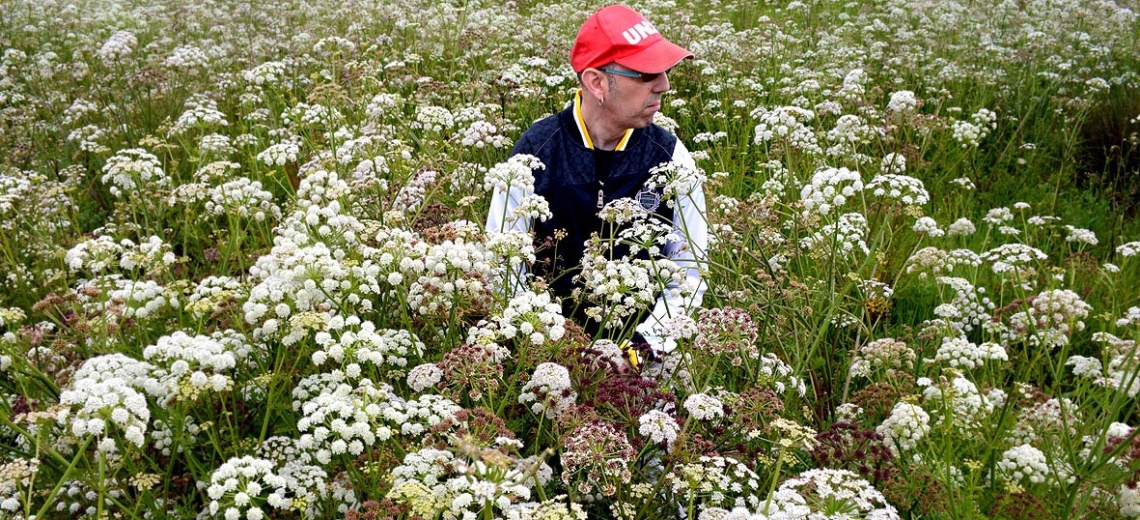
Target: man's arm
x,y
690,253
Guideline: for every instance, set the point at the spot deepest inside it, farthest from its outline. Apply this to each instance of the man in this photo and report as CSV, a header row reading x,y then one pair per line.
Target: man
x,y
601,148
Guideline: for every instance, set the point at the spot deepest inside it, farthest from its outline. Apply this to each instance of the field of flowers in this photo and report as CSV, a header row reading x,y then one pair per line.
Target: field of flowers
x,y
245,275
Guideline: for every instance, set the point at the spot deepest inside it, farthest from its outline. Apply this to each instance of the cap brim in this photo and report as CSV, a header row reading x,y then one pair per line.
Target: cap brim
x,y
659,57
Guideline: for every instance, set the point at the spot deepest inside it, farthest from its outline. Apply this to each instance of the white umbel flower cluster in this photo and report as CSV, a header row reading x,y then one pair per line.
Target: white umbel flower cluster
x,y
549,390
621,287
103,408
118,46
416,416
436,484
830,188
532,319
961,352
659,426
131,299
344,420
242,198
960,402
201,113
1024,463
130,170
786,124
193,364
704,407
902,102
516,173
424,376
241,486
907,424
1129,501
831,490
279,154
903,188
720,481
387,348
1051,319
970,133
93,256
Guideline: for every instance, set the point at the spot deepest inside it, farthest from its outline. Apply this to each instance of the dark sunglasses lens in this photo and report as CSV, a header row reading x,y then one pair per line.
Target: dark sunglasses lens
x,y
649,78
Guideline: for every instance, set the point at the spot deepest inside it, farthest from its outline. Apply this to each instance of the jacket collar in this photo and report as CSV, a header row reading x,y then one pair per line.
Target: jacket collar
x,y
581,122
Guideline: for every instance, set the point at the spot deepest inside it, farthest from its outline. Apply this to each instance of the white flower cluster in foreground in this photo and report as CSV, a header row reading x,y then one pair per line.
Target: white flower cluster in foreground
x,y
106,408
1024,463
960,402
1123,362
549,390
435,482
128,298
907,424
704,407
344,420
132,169
815,494
726,482
241,486
786,124
961,352
830,188
242,198
360,344
621,287
659,426
1051,319
118,46
188,365
533,318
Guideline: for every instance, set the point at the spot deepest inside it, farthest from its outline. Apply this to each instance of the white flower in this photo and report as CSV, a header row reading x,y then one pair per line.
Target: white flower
x,y
92,399
1129,501
1129,249
962,226
704,407
1081,236
902,102
424,376
907,424
659,426
1024,463
830,188
961,352
130,170
549,389
515,173
893,163
927,226
279,154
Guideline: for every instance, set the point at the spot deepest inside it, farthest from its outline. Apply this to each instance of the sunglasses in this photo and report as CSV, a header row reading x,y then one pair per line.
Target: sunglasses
x,y
643,76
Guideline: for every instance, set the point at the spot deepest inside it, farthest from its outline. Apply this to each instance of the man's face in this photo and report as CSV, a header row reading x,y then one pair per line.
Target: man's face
x,y
632,101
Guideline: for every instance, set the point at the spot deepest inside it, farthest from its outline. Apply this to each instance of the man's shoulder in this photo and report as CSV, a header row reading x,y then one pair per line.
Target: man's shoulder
x,y
540,134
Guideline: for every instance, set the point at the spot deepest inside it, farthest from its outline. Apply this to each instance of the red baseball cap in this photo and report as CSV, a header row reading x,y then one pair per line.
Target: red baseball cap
x,y
620,34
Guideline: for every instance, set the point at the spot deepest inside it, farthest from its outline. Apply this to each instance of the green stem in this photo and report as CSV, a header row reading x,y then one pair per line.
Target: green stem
x,y
64,478
775,479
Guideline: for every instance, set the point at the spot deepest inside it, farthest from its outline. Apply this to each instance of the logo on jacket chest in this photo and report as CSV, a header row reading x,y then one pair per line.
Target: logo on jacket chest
x,y
648,199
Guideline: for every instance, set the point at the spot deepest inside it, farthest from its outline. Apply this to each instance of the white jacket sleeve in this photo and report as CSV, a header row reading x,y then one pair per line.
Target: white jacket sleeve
x,y
501,218
690,253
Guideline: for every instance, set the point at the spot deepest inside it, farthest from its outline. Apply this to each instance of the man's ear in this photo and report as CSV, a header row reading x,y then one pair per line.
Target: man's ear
x,y
594,81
